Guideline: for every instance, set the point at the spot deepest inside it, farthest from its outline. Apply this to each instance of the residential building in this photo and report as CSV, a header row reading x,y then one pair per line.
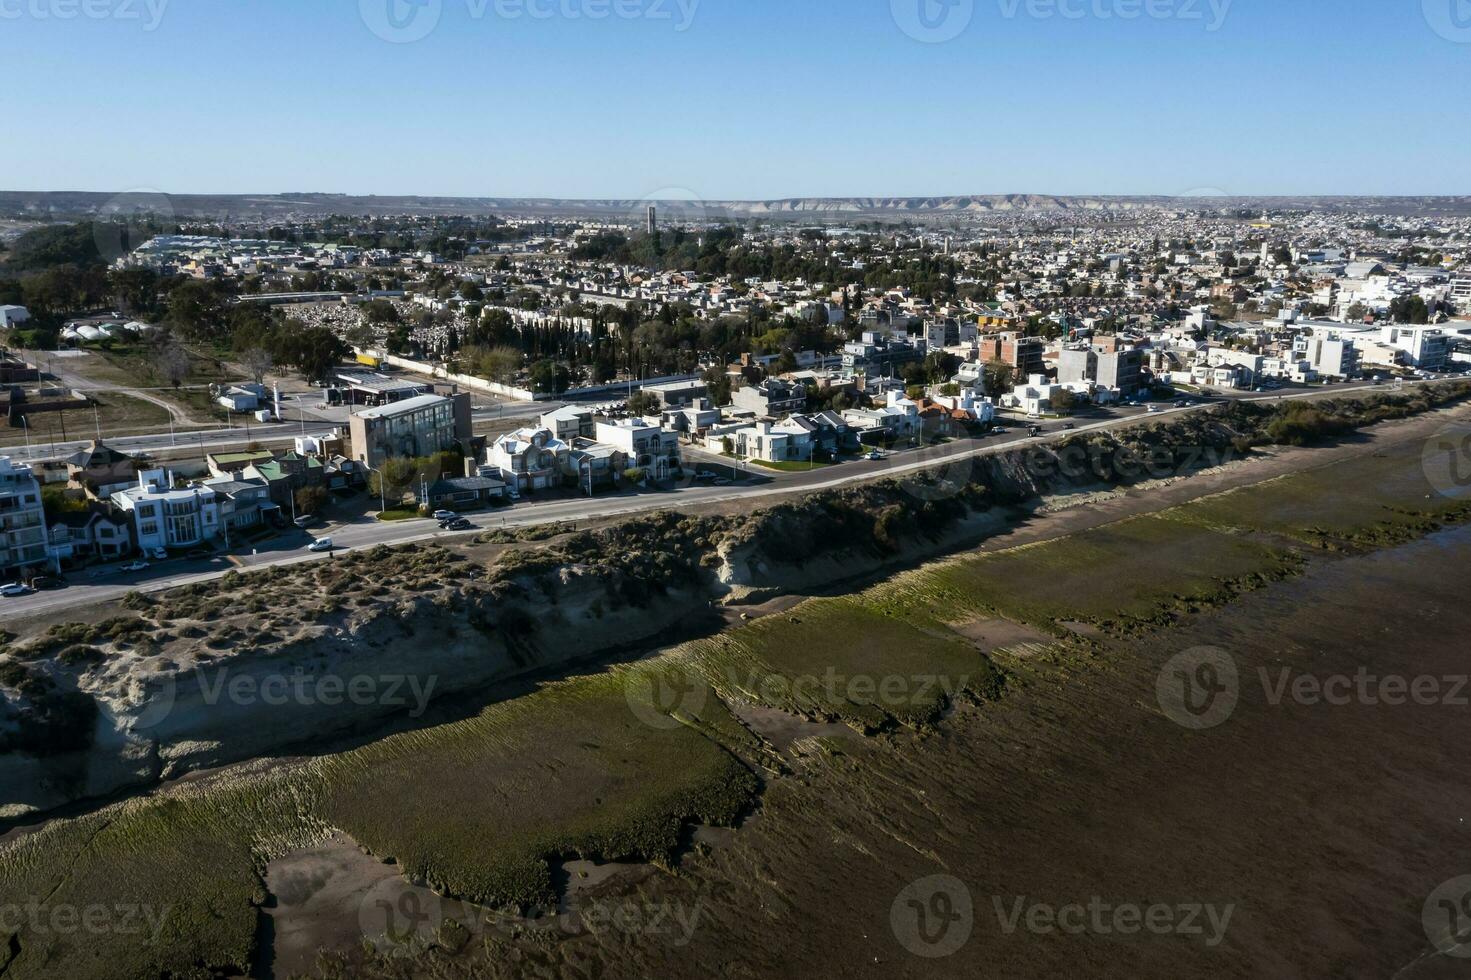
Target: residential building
x,y
13,316
415,427
528,459
243,503
1024,354
772,398
96,532
570,422
1121,370
166,516
22,518
1426,348
1333,358
99,468
465,492
648,446
677,394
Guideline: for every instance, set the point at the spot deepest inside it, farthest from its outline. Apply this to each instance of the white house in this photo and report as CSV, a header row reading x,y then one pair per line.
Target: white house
x,y
528,459
13,316
168,517
648,446
1034,397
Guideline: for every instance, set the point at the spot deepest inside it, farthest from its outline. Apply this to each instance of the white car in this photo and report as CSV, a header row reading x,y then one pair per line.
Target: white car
x,y
446,515
14,589
321,544
875,456
136,566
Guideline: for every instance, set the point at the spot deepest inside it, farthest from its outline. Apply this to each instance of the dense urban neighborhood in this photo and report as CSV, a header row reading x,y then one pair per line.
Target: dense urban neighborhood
x,y
438,366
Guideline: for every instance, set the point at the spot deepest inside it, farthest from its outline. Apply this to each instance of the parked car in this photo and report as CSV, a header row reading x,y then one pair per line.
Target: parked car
x,y
445,515
1069,425
159,554
199,553
321,544
306,520
875,455
137,566
14,590
706,475
49,583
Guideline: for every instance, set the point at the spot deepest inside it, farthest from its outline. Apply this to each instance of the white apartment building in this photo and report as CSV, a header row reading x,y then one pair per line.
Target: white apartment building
x,y
648,446
22,518
1333,358
168,517
1422,347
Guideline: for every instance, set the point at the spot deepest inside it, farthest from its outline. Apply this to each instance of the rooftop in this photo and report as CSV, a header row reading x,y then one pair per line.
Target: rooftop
x,y
405,407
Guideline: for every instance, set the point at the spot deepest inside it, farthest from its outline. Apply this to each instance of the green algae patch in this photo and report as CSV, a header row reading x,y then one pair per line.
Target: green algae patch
x,y
847,659
170,884
1122,577
586,768
1369,501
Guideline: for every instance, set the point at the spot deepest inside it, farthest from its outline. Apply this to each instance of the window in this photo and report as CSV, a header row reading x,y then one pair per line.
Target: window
x,y
150,528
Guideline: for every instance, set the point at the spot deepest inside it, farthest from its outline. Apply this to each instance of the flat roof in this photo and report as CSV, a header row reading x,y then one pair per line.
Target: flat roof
x,y
404,407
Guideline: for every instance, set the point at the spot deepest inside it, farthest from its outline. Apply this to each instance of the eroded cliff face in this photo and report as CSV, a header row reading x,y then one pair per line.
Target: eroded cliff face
x,y
193,685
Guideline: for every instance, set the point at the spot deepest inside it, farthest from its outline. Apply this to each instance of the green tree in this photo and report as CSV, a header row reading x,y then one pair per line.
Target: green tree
x,y
642,403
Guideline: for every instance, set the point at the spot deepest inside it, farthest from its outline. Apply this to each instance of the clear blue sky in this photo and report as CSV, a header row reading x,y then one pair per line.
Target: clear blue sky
x,y
755,99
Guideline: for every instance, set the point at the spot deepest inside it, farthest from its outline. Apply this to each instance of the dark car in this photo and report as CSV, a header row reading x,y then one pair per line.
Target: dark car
x,y
49,583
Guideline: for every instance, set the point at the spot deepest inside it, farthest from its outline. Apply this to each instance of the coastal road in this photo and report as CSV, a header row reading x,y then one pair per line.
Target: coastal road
x,y
103,583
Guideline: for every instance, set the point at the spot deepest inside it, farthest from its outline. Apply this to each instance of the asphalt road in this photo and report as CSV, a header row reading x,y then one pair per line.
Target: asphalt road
x,y
103,583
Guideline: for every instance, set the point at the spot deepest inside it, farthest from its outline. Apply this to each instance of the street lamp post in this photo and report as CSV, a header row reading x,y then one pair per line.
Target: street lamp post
x,y
382,490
